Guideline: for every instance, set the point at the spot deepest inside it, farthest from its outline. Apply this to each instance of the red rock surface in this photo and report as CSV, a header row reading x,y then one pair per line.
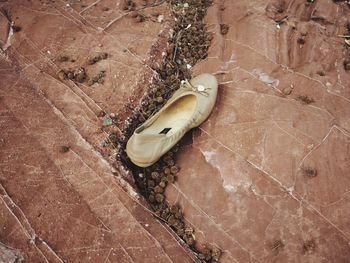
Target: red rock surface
x,y
243,183
58,206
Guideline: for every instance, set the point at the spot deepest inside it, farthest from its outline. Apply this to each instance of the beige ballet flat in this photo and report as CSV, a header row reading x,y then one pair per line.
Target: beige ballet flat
x,y
187,108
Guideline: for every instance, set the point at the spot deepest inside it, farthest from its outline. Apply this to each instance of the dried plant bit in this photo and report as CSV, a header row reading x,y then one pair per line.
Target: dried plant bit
x,y
97,57
216,254
189,230
224,29
207,253
101,114
158,189
301,41
346,64
277,245
174,169
64,149
159,198
113,138
171,220
164,215
174,208
162,184
180,232
309,172
151,183
155,175
179,215
170,178
178,224
305,99
151,198
309,246
63,58
201,256
133,14
167,158
159,99
158,213
189,240
140,18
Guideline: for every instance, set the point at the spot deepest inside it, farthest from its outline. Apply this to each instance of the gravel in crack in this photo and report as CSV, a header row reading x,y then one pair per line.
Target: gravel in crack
x,y
189,44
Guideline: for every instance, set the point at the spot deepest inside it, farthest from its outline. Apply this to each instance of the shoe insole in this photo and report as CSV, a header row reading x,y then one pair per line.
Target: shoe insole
x,y
174,117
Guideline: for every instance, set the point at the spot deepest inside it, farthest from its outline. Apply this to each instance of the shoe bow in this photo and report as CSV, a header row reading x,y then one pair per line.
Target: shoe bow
x,y
185,84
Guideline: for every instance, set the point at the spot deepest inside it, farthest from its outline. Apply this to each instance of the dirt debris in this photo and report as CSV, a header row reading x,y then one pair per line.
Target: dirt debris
x,y
99,78
76,75
63,58
305,99
97,57
309,172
